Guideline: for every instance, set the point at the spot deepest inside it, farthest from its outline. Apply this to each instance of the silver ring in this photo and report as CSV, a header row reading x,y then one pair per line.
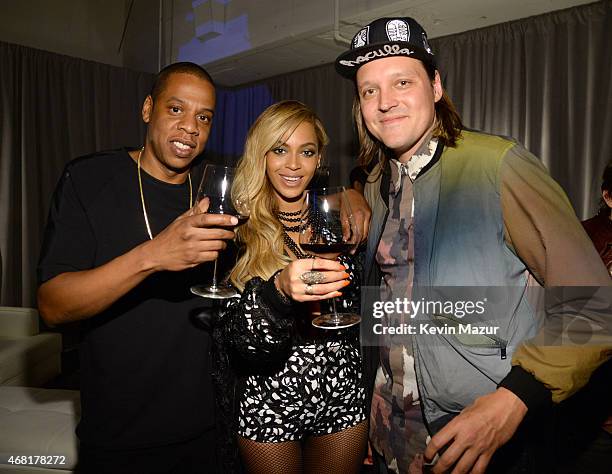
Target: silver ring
x,y
308,290
312,278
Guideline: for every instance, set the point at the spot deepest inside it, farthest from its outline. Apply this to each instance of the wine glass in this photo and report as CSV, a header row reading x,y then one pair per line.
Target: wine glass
x,y
327,229
216,185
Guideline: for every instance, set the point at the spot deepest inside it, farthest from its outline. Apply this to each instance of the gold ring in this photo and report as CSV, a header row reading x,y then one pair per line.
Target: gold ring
x,y
308,290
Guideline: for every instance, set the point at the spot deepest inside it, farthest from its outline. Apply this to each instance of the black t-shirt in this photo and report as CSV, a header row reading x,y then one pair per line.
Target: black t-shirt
x,y
145,367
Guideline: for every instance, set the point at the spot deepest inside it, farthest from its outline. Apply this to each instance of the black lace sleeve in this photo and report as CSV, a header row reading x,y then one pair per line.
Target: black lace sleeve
x,y
257,327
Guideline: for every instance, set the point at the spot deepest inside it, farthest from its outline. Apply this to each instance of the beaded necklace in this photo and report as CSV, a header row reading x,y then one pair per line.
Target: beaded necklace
x,y
281,214
313,220
289,242
291,245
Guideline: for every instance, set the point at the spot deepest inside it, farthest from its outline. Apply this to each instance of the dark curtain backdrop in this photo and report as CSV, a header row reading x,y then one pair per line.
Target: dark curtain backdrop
x,y
52,108
544,80
235,111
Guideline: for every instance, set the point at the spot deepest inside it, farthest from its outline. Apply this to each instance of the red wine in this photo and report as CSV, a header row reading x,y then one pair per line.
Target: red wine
x,y
224,206
218,205
336,247
241,219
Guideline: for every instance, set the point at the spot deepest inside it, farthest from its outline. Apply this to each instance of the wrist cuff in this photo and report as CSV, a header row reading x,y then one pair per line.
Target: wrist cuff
x,y
524,385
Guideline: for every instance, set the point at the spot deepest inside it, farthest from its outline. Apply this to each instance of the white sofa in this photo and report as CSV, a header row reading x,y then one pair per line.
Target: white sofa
x,y
33,421
38,422
27,357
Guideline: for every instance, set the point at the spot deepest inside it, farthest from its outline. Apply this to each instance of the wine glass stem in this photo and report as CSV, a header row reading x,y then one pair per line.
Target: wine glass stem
x,y
214,277
336,317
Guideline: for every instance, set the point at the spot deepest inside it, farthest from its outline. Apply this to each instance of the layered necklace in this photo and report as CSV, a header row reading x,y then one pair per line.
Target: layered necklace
x,y
289,242
142,199
292,218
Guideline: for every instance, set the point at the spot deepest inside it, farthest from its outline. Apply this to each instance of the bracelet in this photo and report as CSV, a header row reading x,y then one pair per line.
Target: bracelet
x,y
285,299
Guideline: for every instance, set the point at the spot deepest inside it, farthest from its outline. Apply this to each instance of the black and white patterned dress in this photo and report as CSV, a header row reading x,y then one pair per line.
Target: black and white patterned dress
x,y
279,379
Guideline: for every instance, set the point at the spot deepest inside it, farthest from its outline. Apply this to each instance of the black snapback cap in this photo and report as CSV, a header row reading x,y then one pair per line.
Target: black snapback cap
x,y
401,36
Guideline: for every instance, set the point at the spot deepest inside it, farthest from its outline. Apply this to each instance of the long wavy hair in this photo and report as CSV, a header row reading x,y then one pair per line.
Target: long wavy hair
x,y
261,237
447,128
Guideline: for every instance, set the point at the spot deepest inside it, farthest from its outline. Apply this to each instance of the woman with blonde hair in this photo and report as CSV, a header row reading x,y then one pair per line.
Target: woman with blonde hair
x,y
297,392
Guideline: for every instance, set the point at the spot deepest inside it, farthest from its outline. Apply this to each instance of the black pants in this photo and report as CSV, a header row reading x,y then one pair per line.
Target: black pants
x,y
582,445
191,457
529,451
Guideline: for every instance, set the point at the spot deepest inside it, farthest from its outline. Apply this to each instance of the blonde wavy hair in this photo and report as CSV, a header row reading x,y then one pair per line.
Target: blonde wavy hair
x,y
261,237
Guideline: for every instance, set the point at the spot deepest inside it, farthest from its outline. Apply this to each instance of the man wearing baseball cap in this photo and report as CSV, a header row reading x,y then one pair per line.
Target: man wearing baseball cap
x,y
455,207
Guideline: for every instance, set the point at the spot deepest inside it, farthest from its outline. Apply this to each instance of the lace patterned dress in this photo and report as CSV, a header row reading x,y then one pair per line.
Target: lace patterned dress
x,y
277,377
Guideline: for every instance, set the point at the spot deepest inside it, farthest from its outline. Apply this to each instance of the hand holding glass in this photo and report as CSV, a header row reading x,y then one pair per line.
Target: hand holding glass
x,y
216,185
327,229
